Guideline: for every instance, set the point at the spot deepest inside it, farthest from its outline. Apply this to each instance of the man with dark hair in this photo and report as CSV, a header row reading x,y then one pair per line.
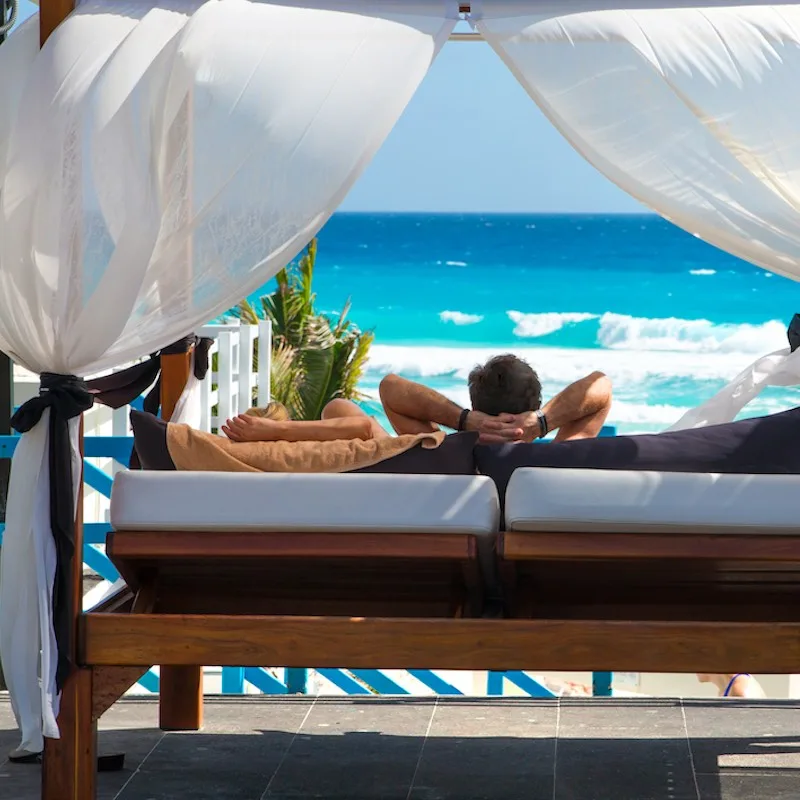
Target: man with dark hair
x,y
504,385
506,398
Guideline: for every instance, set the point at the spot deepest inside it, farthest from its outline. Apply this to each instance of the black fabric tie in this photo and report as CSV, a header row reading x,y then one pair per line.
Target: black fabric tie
x,y
67,397
793,333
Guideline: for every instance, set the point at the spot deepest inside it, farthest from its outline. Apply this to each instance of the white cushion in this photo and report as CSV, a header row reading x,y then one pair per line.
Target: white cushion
x,y
585,500
152,500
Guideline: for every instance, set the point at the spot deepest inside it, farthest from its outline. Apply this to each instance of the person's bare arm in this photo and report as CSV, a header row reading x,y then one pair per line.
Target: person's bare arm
x,y
577,412
413,408
245,428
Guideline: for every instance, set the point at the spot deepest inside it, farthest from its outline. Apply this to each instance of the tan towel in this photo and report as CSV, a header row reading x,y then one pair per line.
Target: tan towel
x,y
195,450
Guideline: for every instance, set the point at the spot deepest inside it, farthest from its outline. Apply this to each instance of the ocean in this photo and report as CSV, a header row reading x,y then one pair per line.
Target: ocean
x,y
667,317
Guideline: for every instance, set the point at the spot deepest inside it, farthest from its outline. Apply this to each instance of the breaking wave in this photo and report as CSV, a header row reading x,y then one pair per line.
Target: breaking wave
x,y
460,318
530,326
663,334
622,332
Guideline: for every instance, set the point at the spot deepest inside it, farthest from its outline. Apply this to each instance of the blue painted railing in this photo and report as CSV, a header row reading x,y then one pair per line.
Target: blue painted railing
x,y
352,682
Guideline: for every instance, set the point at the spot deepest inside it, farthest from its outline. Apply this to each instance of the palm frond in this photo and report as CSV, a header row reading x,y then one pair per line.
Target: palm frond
x,y
356,365
316,389
286,378
342,324
306,274
315,358
246,313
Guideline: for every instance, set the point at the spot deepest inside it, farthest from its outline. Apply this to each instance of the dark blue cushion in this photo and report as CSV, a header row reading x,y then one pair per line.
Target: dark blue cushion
x,y
454,456
761,445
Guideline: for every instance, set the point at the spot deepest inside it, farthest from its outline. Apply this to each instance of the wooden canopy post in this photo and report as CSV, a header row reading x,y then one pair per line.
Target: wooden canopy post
x,y
70,763
51,14
181,687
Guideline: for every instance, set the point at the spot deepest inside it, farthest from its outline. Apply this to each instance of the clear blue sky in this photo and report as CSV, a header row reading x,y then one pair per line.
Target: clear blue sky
x,y
472,140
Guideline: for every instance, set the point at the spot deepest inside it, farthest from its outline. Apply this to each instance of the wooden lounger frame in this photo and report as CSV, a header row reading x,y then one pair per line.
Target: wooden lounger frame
x,y
700,603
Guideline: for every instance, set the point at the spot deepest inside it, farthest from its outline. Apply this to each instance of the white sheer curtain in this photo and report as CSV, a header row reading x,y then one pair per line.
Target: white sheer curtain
x,y
692,111
158,162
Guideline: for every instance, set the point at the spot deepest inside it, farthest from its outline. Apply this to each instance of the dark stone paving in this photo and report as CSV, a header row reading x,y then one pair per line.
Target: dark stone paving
x,y
260,748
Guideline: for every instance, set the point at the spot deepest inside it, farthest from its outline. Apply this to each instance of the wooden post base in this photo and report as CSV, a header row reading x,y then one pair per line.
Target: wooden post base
x,y
69,766
181,698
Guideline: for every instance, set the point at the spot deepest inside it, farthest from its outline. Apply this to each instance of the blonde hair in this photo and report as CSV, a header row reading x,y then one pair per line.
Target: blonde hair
x,y
274,411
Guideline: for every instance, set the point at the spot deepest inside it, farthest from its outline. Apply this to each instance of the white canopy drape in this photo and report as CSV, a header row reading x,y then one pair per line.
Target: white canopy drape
x,y
158,162
692,111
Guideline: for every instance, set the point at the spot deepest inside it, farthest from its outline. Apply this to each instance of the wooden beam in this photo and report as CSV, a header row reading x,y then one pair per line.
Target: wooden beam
x,y
51,14
70,763
734,547
181,688
64,759
467,644
174,374
215,545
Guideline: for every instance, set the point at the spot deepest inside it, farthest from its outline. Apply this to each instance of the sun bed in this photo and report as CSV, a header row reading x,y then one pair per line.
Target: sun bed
x,y
380,545
650,546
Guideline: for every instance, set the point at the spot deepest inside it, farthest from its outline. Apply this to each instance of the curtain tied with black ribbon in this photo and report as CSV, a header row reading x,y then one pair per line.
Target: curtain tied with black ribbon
x,y
65,397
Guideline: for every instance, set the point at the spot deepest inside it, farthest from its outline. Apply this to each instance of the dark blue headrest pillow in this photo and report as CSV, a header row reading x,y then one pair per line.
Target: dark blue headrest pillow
x,y
761,445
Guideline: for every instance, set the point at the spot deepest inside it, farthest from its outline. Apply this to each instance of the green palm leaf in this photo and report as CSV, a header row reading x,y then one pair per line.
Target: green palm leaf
x,y
314,358
286,378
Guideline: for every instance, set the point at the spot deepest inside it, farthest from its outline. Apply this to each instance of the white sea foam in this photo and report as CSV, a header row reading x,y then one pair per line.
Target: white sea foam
x,y
702,272
459,317
530,326
455,263
623,332
657,416
559,366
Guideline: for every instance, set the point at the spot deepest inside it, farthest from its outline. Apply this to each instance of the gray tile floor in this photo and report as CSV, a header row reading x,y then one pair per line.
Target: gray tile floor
x,y
259,748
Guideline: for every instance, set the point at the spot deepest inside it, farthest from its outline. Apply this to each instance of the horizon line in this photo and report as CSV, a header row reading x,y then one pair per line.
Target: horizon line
x,y
503,213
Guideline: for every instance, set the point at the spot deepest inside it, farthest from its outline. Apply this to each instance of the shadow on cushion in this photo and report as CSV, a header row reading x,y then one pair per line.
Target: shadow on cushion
x,y
761,445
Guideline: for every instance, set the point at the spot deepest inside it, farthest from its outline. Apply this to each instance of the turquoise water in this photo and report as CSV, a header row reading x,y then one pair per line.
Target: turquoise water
x,y
667,317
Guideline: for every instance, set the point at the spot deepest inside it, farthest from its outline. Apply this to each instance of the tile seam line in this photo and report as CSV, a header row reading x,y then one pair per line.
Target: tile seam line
x,y
285,755
139,766
555,747
689,751
422,749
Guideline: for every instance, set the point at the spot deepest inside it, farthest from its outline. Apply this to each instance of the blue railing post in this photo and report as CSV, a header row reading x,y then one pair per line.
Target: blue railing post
x,y
233,680
601,684
494,683
296,680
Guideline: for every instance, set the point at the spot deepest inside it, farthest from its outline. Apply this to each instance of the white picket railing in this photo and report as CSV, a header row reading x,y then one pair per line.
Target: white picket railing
x,y
233,386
